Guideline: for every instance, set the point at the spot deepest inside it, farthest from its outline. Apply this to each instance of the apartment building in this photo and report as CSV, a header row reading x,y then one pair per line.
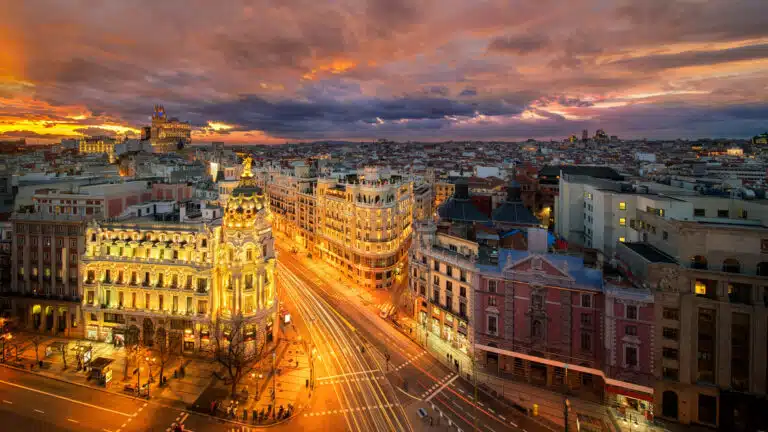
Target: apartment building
x,y
45,253
710,278
359,223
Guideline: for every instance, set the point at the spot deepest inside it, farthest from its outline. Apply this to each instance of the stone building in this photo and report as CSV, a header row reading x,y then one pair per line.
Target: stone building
x,y
159,280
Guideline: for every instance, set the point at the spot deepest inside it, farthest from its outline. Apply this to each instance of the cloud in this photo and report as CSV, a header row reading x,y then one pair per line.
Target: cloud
x,y
519,44
302,68
694,58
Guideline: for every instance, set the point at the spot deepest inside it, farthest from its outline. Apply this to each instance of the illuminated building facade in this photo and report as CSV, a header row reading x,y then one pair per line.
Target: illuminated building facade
x,y
98,145
169,282
168,134
358,223
45,250
364,225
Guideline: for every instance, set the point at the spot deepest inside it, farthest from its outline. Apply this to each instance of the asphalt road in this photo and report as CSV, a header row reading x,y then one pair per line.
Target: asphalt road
x,y
427,379
364,400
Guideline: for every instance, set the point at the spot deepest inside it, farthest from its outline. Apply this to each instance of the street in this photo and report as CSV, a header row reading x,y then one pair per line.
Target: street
x,y
417,376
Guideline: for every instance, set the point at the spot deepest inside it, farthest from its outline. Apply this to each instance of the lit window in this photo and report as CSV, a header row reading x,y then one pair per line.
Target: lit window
x,y
700,288
622,205
622,239
623,221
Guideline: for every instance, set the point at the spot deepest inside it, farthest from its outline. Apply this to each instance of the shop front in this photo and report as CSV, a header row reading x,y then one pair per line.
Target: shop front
x,y
118,336
630,406
189,340
92,332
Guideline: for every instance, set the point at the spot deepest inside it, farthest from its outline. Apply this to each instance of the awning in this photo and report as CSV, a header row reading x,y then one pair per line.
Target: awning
x,y
629,393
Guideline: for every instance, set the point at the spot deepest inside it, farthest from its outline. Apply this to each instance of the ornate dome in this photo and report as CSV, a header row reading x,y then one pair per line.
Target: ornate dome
x,y
246,204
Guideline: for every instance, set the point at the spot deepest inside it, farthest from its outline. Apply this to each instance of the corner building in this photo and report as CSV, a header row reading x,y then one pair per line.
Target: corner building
x,y
168,282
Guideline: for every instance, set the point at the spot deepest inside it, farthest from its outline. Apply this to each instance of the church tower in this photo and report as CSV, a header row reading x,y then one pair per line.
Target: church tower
x,y
245,270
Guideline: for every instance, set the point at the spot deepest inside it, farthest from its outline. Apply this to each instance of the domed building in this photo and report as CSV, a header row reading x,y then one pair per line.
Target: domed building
x,y
168,277
244,276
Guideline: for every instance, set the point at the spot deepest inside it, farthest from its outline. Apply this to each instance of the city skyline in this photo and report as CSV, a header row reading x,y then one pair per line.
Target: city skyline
x,y
247,72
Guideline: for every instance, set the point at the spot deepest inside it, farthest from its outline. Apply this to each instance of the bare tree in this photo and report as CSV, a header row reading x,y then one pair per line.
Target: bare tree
x,y
36,341
164,353
132,349
63,346
237,346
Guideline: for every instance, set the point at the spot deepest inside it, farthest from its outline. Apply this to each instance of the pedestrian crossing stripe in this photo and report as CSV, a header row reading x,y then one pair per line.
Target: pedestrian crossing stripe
x,y
350,380
347,410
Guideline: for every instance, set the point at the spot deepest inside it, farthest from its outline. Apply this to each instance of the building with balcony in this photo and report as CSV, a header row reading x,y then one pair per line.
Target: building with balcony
x,y
710,282
160,280
44,291
358,223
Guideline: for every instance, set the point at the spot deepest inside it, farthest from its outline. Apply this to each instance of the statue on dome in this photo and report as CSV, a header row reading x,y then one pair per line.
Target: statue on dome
x,y
247,167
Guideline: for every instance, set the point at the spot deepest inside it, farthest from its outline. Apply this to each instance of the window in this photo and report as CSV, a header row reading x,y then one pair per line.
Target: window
x,y
622,205
202,307
448,286
90,297
586,300
670,333
147,301
493,328
699,212
586,341
586,319
622,221
622,239
669,353
630,356
491,301
133,300
537,301
670,373
492,286
671,314
436,265
449,270
700,288
722,213
436,280
160,302
537,329
463,292
120,298
630,330
189,304
631,312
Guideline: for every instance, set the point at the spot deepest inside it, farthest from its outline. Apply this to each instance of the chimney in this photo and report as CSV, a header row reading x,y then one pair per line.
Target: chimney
x,y
537,240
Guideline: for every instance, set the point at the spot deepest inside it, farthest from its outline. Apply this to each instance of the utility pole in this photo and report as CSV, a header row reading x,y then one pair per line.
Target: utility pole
x,y
567,407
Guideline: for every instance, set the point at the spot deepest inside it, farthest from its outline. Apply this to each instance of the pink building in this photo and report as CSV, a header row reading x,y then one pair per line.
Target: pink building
x,y
171,191
629,344
538,318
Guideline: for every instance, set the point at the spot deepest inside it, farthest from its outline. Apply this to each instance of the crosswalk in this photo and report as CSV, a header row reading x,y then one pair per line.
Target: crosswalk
x,y
350,410
437,386
411,359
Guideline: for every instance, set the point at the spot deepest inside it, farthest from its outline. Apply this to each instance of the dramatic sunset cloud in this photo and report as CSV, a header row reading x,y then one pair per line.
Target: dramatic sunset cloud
x,y
282,71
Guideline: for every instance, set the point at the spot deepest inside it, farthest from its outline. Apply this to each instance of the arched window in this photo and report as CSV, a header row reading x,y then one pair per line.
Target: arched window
x,y
762,268
731,265
699,262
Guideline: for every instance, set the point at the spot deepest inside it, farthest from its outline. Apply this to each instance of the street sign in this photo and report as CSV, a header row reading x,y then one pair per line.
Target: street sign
x,y
108,376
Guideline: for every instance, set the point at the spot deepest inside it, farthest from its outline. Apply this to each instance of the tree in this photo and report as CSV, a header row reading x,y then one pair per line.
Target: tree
x,y
132,349
237,346
164,353
63,348
36,341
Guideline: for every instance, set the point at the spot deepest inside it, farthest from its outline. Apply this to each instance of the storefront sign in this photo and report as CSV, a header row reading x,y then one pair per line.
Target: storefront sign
x,y
108,376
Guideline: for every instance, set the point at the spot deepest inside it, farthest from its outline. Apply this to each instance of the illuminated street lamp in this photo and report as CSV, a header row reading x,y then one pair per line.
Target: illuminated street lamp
x,y
149,361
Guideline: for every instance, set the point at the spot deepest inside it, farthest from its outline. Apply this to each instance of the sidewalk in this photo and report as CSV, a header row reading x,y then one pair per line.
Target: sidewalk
x,y
179,392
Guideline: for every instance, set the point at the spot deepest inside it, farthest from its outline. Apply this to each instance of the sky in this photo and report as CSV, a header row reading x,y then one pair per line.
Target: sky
x,y
301,70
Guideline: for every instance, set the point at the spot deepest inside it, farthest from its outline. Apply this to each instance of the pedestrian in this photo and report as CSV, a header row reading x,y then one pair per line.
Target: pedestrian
x,y
253,414
213,407
431,421
245,414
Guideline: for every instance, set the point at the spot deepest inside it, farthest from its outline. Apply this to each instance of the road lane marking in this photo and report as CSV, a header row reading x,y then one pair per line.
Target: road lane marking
x,y
8,402
41,412
73,421
441,388
65,398
106,430
348,374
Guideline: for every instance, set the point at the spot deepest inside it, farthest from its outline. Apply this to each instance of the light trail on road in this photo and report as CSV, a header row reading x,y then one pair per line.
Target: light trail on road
x,y
333,330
